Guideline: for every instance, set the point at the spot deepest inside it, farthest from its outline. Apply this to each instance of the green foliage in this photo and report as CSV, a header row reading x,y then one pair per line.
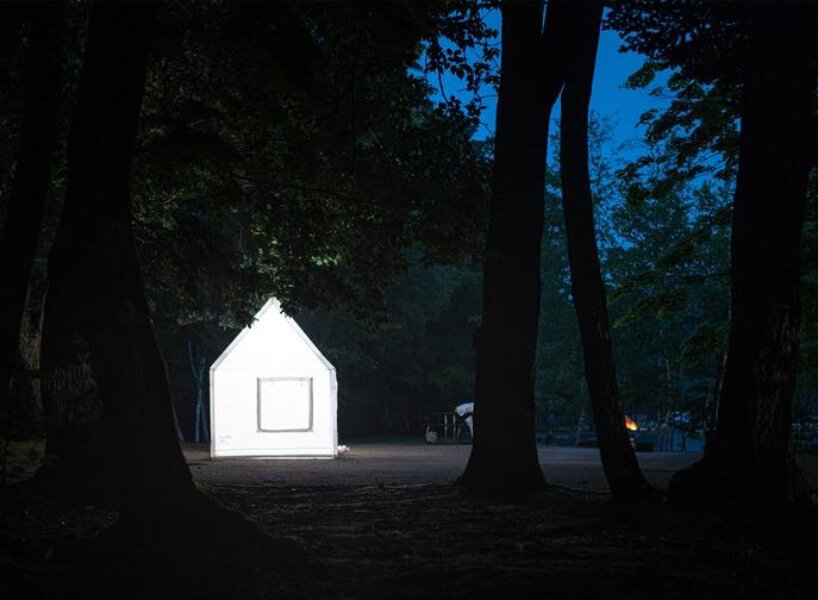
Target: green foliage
x,y
291,149
700,46
419,359
12,74
669,303
464,46
559,383
287,149
664,260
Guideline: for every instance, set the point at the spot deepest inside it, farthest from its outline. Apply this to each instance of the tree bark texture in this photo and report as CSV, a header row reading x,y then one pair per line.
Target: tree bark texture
x,y
31,181
96,294
751,458
504,452
25,389
94,268
621,468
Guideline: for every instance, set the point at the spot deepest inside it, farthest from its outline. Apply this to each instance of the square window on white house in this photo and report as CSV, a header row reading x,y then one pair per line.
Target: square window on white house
x,y
285,404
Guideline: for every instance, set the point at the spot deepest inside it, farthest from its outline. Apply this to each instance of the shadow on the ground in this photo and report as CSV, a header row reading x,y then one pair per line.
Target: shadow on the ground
x,y
433,541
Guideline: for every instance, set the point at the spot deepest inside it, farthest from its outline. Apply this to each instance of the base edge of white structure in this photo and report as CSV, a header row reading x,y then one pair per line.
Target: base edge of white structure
x,y
296,453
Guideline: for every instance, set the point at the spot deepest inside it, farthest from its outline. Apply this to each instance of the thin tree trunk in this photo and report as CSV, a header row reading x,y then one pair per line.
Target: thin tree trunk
x,y
32,179
619,462
667,431
751,459
198,368
716,385
504,453
711,388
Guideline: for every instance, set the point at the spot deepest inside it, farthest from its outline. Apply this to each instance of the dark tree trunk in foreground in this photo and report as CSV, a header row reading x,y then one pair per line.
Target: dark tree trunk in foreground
x,y
751,459
587,288
164,519
95,288
504,453
31,183
78,460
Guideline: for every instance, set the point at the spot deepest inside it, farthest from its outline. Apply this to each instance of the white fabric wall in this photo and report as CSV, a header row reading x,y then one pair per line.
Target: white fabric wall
x,y
274,347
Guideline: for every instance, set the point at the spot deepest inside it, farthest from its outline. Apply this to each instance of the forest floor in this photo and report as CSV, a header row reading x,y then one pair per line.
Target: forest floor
x,y
385,520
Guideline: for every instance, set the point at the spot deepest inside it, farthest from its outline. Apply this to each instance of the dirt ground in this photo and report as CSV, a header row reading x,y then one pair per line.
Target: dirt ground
x,y
385,521
407,463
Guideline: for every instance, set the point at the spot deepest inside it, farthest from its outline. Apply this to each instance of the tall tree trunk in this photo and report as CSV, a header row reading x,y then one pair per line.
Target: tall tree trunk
x,y
95,261
622,471
96,268
504,453
79,465
31,183
751,458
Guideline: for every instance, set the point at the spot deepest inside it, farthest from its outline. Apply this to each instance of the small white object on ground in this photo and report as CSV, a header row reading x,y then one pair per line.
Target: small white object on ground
x,y
343,449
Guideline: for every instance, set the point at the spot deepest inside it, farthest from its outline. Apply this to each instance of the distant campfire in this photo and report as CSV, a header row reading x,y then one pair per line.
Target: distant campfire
x,y
630,424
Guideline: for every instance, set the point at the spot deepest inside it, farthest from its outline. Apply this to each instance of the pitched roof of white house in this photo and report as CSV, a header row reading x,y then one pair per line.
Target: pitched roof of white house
x,y
272,340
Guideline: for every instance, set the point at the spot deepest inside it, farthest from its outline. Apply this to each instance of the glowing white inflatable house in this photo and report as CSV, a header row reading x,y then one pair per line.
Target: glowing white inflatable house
x,y
272,393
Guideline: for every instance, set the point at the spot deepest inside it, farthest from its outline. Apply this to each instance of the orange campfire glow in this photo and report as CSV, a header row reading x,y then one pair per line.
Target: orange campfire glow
x,y
630,424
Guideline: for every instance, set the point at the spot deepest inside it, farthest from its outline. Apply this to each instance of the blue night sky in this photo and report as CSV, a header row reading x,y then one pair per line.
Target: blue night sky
x,y
610,99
